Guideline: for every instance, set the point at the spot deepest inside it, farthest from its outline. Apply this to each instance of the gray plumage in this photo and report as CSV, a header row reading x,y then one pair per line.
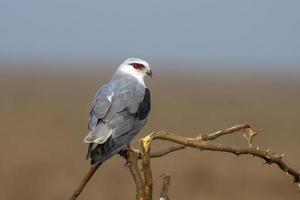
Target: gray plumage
x,y
119,111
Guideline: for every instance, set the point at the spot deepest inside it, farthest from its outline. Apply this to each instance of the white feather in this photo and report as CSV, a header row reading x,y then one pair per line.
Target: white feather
x,y
109,97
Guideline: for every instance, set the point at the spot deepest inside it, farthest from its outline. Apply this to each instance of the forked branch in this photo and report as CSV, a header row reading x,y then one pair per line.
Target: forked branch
x,y
144,184
268,157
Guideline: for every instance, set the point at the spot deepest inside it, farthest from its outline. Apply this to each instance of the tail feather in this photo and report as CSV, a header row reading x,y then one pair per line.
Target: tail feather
x,y
104,151
90,148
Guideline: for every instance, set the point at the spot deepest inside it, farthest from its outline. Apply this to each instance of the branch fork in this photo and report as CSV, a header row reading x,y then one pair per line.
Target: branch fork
x,y
144,181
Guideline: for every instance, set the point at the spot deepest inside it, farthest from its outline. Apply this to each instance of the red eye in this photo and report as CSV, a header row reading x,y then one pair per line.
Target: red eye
x,y
137,65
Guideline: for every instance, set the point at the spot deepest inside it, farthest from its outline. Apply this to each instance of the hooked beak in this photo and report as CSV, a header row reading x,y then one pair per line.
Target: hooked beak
x,y
149,73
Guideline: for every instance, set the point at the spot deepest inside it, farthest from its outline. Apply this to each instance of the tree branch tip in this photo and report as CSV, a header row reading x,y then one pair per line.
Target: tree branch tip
x,y
162,132
163,175
166,176
281,156
258,130
246,124
146,141
199,137
249,135
267,151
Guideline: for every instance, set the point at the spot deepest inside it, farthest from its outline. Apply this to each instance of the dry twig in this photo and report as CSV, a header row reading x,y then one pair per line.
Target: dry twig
x,y
135,172
269,158
84,181
144,184
164,194
145,145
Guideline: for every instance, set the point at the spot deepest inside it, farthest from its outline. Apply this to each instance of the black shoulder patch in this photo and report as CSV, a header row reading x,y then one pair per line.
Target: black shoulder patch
x,y
144,106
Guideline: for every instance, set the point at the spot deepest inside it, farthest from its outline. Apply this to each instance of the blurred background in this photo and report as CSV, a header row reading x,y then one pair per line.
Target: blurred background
x,y
215,64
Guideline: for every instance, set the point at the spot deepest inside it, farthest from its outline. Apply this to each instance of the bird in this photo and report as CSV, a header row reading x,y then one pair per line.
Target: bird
x,y
119,111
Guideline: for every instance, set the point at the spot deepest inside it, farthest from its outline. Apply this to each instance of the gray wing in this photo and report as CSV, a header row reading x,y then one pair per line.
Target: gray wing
x,y
121,117
126,117
100,107
112,113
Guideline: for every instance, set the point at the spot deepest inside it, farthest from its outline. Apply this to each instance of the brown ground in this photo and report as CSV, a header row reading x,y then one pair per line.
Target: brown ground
x,y
43,121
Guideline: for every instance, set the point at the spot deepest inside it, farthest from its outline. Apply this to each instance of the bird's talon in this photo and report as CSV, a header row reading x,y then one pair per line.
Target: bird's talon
x,y
124,153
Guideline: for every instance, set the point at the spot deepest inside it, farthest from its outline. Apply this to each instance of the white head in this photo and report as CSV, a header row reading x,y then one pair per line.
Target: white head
x,y
135,67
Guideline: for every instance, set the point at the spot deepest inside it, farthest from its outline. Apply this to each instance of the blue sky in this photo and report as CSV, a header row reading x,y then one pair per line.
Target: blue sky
x,y
208,31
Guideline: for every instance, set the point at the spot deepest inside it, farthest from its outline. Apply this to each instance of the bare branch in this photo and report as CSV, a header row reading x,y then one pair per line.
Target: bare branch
x,y
202,145
234,129
135,172
145,144
166,151
144,187
84,181
164,194
203,137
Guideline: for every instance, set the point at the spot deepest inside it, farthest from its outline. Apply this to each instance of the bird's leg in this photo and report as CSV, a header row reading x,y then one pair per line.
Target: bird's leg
x,y
124,153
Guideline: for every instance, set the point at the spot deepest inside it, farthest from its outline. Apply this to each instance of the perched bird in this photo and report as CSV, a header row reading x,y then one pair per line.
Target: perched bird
x,y
119,110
